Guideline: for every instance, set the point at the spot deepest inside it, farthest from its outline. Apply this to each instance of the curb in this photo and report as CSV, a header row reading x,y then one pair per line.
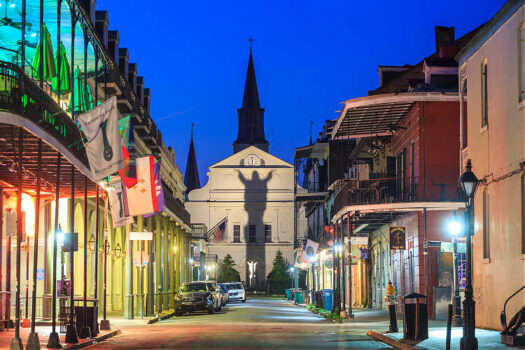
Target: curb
x,y
157,319
93,341
392,342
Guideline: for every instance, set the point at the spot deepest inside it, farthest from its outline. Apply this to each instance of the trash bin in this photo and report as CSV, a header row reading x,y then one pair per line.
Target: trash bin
x,y
288,293
319,299
328,298
415,321
299,296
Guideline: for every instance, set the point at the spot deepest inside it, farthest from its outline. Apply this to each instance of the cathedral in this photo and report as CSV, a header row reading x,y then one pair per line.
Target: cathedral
x,y
251,192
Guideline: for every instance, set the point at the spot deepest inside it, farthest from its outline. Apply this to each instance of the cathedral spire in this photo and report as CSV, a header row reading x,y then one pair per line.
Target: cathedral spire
x,y
191,176
251,115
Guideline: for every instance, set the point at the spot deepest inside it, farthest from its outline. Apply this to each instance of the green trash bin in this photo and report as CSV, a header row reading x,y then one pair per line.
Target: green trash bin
x,y
299,296
288,293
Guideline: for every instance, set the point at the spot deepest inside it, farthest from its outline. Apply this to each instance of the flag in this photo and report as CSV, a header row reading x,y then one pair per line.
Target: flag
x,y
218,233
141,199
103,148
116,202
311,250
158,191
129,172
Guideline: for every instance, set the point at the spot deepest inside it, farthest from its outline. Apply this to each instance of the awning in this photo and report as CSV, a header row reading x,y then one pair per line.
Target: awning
x,y
378,115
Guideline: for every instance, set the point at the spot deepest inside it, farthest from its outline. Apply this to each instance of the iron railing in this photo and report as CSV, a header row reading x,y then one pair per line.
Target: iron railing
x,y
395,189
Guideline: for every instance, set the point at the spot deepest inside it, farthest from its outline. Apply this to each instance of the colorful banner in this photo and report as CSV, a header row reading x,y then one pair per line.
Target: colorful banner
x,y
159,192
141,199
103,148
310,250
116,203
129,172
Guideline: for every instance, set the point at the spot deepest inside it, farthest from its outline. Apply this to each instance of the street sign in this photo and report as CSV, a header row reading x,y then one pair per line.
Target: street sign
x,y
397,238
141,236
434,244
357,240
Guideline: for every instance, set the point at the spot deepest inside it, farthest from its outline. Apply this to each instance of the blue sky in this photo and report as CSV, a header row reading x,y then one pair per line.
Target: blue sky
x,y
309,57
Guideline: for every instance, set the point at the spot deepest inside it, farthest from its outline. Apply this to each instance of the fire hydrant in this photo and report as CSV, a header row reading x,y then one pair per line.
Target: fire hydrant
x,y
390,299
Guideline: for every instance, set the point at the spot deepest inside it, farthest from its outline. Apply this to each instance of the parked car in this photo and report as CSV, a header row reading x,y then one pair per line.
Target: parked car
x,y
224,294
236,291
198,296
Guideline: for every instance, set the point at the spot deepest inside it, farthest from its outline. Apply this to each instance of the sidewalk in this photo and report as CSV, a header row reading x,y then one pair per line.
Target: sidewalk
x,y
117,323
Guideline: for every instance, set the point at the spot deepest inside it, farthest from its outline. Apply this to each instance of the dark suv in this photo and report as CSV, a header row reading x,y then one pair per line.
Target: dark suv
x,y
195,296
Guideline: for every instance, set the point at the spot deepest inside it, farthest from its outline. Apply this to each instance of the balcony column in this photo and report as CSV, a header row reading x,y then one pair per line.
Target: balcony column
x,y
165,263
140,279
150,286
183,256
176,257
128,299
157,254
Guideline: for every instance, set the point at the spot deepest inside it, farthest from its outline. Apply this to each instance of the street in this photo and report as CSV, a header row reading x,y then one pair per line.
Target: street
x,y
261,323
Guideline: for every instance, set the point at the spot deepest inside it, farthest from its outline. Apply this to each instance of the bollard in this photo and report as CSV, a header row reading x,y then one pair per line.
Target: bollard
x,y
449,325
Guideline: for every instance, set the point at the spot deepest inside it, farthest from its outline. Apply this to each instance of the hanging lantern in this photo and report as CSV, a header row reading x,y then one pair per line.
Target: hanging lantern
x,y
117,251
92,243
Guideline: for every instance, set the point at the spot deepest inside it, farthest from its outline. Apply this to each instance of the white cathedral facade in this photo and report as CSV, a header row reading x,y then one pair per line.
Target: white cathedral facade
x,y
253,190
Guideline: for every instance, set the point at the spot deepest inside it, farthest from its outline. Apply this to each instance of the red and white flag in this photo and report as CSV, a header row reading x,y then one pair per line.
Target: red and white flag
x,y
141,198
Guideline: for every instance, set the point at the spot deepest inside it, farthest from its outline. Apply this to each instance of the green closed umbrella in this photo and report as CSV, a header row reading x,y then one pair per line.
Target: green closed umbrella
x,y
66,83
44,52
81,104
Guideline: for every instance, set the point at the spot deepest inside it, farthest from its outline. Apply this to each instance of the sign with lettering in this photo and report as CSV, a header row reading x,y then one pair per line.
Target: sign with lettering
x,y
397,238
141,236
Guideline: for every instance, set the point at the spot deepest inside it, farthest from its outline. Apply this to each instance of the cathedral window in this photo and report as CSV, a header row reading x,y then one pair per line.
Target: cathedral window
x,y
267,233
236,233
252,234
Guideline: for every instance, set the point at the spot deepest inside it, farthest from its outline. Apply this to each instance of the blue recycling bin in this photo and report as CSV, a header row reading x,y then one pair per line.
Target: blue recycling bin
x,y
328,298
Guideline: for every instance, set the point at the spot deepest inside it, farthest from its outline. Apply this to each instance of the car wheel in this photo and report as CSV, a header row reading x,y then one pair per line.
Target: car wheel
x,y
244,300
178,313
211,310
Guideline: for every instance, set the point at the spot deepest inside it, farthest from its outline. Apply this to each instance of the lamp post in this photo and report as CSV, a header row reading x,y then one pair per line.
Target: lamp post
x,y
469,183
455,229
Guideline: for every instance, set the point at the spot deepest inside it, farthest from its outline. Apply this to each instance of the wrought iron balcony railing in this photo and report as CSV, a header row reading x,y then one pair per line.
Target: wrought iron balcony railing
x,y
395,189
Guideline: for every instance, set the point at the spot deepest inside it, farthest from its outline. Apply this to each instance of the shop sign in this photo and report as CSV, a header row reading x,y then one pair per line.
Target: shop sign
x,y
141,258
141,236
357,240
397,238
448,247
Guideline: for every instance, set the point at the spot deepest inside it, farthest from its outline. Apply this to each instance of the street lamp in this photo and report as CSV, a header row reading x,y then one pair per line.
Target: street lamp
x,y
455,228
469,183
92,243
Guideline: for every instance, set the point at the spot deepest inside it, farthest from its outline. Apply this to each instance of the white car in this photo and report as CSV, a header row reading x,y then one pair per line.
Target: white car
x,y
236,291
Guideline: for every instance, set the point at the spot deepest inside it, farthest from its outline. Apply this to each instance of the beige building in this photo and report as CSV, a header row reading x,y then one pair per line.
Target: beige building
x,y
492,135
254,191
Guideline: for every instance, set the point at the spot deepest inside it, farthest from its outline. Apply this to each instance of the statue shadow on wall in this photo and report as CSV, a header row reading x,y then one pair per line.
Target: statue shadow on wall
x,y
255,196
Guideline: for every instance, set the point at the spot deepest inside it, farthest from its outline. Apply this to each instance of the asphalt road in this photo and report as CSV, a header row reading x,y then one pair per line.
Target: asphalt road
x,y
260,323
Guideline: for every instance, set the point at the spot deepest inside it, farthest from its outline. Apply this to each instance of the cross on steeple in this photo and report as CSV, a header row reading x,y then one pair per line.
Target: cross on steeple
x,y
192,125
251,40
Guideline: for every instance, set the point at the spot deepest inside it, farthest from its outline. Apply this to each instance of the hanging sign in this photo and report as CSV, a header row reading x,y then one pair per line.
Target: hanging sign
x,y
103,148
357,240
141,236
397,238
40,274
116,203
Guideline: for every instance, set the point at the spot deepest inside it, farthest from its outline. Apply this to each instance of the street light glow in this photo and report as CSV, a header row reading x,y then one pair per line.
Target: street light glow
x,y
455,227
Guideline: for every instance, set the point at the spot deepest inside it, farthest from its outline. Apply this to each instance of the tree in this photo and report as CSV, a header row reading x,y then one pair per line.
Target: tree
x,y
278,280
227,272
279,268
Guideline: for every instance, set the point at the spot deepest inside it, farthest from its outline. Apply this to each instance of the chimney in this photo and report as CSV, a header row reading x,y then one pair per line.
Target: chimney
x,y
113,44
444,36
123,59
140,90
132,76
101,26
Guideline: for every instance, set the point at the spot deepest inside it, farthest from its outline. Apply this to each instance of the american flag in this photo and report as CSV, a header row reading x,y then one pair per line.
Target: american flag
x,y
218,232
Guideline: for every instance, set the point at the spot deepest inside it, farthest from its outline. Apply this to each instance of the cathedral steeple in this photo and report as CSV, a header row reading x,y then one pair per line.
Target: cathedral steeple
x,y
251,115
191,175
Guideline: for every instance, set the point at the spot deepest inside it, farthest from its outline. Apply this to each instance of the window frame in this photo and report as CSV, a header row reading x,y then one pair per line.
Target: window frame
x,y
484,94
268,228
236,233
252,238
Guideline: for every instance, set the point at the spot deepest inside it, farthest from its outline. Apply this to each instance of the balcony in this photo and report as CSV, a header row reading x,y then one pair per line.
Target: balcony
x,y
175,206
199,231
362,194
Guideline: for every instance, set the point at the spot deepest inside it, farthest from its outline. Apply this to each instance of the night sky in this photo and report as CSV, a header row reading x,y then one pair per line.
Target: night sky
x,y
309,57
